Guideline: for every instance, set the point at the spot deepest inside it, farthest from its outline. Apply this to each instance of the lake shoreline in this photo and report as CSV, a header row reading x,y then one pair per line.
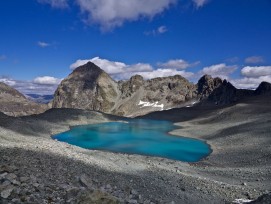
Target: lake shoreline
x,y
142,136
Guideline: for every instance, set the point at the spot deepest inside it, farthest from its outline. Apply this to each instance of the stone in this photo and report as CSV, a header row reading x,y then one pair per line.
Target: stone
x,y
132,201
134,192
85,181
24,179
11,176
72,192
6,192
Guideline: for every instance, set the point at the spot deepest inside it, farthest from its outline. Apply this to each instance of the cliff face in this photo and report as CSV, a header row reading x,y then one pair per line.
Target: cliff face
x,y
218,92
13,103
139,97
87,87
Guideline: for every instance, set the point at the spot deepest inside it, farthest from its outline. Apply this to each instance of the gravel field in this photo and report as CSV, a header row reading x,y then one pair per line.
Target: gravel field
x,y
37,169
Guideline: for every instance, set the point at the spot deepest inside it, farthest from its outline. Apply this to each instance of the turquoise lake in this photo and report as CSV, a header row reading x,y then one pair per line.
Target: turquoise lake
x,y
137,136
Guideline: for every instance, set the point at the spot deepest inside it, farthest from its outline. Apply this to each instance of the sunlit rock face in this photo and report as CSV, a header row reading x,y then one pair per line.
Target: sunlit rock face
x,y
89,87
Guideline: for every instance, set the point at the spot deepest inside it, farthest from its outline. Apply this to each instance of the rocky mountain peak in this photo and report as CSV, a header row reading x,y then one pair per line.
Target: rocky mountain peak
x,y
263,89
132,85
87,87
136,78
88,67
207,84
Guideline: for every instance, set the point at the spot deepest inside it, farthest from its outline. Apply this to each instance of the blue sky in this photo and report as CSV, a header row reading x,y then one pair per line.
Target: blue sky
x,y
41,41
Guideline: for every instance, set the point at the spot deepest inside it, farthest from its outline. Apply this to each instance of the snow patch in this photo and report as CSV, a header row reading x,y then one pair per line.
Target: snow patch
x,y
148,104
192,104
241,201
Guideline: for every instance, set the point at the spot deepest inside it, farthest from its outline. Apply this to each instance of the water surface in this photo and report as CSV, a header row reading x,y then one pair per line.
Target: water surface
x,y
137,136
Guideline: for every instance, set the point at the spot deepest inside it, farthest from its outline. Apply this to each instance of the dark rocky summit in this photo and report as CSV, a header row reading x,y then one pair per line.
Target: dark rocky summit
x,y
207,84
263,89
218,92
13,103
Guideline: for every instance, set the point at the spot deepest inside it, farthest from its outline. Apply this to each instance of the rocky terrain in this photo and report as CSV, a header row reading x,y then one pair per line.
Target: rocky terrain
x,y
236,123
14,103
89,87
36,169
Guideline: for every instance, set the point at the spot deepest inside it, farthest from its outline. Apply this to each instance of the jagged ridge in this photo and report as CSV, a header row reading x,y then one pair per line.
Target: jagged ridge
x,y
89,87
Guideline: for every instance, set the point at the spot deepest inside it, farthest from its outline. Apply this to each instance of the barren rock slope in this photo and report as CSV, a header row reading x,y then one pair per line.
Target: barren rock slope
x,y
13,103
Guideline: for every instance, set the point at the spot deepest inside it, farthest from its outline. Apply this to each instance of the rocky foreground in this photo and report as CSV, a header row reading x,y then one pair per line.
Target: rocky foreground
x,y
36,169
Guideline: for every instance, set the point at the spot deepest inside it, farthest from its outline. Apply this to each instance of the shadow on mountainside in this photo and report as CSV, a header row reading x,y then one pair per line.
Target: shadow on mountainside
x,y
53,119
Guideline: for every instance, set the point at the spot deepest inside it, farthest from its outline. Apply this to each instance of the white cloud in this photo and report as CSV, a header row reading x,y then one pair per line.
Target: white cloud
x,y
112,67
219,70
55,3
118,70
162,29
165,73
254,60
250,83
256,71
47,80
177,64
8,81
29,87
122,71
43,44
253,76
157,31
3,57
113,13
200,3
109,14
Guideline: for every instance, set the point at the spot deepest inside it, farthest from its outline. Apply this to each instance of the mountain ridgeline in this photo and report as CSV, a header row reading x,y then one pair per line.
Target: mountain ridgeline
x,y
13,103
89,87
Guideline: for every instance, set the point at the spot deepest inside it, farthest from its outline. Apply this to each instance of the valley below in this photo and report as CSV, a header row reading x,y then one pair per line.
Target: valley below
x,y
37,169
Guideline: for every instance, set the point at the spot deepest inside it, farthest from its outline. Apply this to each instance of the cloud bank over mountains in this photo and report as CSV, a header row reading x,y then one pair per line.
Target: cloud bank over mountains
x,y
250,76
122,71
41,85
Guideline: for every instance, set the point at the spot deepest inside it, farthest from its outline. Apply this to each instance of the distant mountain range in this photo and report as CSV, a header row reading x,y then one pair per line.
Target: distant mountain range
x,y
44,99
89,87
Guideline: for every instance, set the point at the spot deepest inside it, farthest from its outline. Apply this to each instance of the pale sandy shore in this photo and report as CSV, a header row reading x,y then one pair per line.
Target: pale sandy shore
x,y
239,166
